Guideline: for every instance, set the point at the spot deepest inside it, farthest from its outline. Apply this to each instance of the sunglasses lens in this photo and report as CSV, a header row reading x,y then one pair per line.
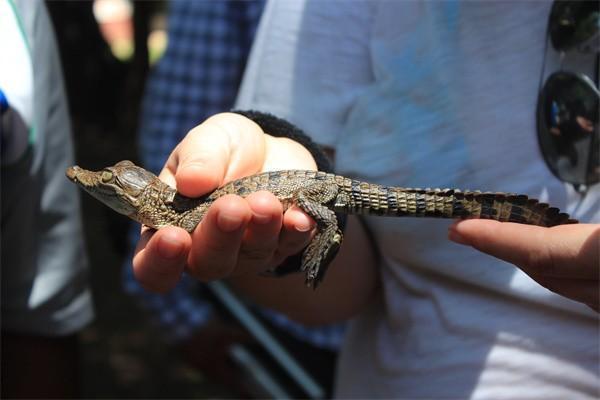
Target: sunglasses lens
x,y
574,24
568,131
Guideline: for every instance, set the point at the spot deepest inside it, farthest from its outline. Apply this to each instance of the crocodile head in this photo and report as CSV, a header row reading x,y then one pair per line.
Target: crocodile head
x,y
119,186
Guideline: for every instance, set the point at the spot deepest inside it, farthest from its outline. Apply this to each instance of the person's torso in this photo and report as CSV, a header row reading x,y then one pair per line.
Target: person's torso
x,y
435,95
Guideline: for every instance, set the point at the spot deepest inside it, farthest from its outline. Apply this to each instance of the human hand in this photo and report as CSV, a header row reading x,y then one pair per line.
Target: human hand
x,y
564,259
237,235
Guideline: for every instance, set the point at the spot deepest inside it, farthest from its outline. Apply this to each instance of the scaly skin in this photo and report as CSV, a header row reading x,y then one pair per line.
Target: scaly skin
x,y
139,194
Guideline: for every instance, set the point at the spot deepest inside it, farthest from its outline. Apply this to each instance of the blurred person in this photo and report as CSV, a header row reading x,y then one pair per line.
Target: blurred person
x,y
45,295
199,75
408,94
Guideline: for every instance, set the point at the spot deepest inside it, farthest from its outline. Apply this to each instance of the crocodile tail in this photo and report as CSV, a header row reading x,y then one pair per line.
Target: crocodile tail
x,y
505,207
516,208
370,199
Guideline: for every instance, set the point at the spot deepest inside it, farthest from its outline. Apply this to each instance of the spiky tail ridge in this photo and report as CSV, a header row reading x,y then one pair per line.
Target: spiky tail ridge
x,y
369,199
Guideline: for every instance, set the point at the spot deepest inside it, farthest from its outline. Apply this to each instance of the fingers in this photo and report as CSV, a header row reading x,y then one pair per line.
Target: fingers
x,y
262,236
160,258
564,259
246,236
236,236
218,238
211,154
570,251
298,230
271,236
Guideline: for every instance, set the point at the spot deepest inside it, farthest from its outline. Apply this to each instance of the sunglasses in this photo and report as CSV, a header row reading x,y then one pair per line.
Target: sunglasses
x,y
568,103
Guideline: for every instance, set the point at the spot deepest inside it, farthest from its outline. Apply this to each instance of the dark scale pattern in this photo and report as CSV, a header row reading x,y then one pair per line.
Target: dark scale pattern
x,y
319,194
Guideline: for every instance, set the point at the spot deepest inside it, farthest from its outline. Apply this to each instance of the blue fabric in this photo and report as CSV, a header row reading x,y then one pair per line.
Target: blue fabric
x,y
3,101
199,75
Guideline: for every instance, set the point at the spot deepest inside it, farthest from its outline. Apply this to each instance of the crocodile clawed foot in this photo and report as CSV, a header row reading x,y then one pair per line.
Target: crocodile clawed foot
x,y
319,254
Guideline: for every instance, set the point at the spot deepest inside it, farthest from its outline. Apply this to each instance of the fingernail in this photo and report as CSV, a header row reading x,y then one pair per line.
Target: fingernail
x,y
457,237
169,248
304,226
229,223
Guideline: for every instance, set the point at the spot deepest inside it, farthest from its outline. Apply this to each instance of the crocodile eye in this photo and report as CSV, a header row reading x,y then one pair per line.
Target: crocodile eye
x,y
106,176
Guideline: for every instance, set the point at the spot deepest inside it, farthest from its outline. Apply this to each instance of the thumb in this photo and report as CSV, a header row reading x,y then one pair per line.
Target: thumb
x,y
208,156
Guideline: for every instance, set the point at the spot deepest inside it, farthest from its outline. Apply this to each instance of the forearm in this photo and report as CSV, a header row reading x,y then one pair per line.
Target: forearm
x,y
350,284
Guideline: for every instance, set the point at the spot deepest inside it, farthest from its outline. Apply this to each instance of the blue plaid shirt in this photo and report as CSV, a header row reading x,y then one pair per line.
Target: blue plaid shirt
x,y
199,75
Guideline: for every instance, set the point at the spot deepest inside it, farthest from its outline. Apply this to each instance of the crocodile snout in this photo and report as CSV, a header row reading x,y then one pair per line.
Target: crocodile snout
x,y
72,172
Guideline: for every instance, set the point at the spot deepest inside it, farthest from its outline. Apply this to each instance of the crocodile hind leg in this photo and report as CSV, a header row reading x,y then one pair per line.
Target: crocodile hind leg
x,y
328,239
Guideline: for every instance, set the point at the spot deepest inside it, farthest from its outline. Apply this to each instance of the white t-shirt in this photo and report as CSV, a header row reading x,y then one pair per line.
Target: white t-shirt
x,y
434,94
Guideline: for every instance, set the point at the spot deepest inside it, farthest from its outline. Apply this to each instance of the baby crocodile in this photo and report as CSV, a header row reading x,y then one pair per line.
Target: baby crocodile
x,y
139,194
